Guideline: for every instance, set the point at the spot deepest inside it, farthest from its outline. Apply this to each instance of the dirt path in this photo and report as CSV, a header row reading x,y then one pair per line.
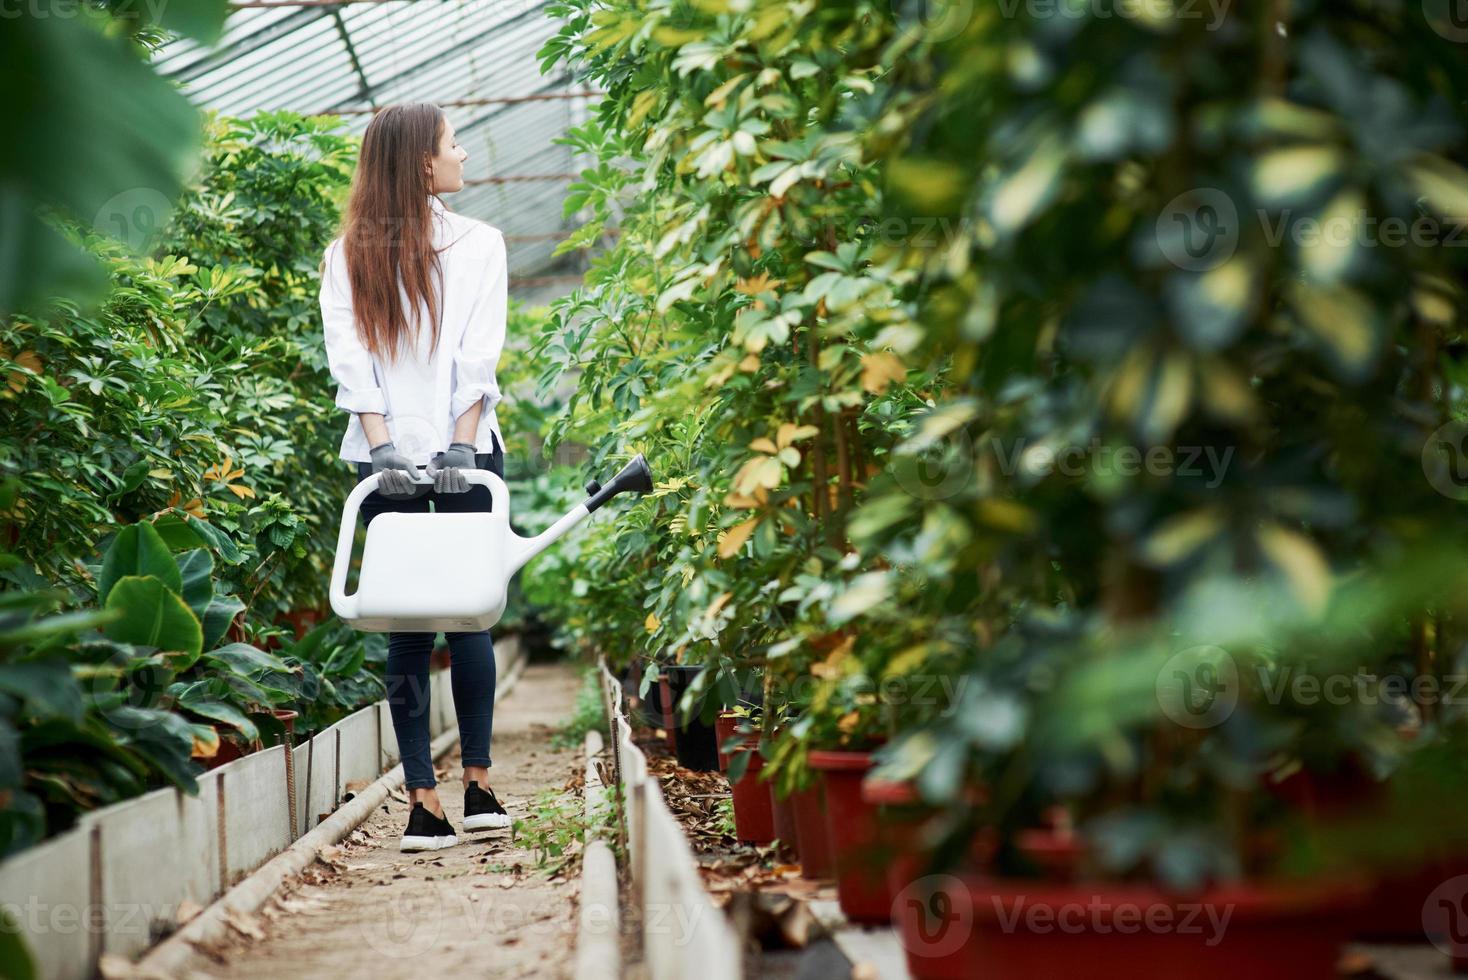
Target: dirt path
x,y
477,909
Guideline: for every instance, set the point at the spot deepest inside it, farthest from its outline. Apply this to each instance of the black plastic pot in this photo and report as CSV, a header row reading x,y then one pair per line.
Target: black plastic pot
x,y
698,745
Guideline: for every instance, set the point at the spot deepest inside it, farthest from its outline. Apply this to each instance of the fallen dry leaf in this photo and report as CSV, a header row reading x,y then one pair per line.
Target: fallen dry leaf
x,y
245,924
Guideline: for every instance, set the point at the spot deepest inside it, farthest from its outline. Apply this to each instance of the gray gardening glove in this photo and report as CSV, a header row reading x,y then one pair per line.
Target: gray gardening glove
x,y
446,468
396,482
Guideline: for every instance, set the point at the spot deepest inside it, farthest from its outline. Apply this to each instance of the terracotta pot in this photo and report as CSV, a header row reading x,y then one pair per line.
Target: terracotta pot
x,y
754,818
814,842
1398,904
300,620
228,752
1057,853
726,726
286,717
1037,930
901,814
1345,791
858,851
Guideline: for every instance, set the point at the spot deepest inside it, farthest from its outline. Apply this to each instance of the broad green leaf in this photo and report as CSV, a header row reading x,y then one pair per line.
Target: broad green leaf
x,y
138,549
227,713
1443,183
1344,322
1181,536
177,532
64,76
246,658
221,612
196,569
1293,176
1302,563
47,688
1018,197
154,615
15,958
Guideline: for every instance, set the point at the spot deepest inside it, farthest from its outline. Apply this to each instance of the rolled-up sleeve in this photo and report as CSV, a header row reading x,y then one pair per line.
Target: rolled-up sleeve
x,y
348,359
484,333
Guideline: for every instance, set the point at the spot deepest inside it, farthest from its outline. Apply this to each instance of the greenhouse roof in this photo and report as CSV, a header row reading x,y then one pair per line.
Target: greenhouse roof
x,y
476,58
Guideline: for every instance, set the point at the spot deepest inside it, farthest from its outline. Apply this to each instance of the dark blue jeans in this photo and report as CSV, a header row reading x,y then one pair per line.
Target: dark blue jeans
x,y
471,655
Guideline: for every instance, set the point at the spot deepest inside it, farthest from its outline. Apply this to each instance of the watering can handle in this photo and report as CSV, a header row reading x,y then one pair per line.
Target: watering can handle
x,y
345,605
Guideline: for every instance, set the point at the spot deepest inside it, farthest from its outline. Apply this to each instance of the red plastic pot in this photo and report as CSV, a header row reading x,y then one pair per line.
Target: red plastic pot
x,y
901,815
814,841
1394,912
287,717
228,752
754,818
726,726
857,844
1324,796
1058,853
300,620
1037,930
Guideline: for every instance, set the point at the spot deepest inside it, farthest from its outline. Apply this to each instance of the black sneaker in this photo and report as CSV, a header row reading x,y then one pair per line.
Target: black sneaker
x,y
481,810
427,832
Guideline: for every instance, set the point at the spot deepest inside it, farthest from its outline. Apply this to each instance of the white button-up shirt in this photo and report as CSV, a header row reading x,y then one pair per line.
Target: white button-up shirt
x,y
421,395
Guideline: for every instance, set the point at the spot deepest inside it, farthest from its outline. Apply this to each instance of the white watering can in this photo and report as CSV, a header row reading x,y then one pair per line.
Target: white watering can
x,y
406,585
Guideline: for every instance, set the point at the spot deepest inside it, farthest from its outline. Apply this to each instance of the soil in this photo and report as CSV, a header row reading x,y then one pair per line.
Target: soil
x,y
480,908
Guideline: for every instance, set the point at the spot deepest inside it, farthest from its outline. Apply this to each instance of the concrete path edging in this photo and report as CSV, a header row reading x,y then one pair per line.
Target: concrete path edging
x,y
598,949
683,933
169,957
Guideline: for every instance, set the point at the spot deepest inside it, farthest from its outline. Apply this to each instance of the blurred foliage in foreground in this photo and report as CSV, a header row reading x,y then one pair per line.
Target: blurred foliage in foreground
x,y
1028,351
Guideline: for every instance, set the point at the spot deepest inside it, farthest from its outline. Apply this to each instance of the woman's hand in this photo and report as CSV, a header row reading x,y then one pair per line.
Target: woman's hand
x,y
396,482
446,468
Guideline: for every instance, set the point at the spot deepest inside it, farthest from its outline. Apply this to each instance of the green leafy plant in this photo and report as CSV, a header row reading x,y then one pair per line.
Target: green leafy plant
x,y
926,332
554,827
588,714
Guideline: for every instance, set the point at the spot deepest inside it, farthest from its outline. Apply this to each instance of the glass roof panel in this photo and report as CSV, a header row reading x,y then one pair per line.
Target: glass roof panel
x,y
364,54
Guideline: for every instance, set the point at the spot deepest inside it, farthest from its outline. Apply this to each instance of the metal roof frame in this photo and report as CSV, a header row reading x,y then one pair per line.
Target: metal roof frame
x,y
356,55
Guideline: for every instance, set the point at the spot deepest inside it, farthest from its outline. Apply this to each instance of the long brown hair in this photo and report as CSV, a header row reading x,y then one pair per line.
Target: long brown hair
x,y
388,231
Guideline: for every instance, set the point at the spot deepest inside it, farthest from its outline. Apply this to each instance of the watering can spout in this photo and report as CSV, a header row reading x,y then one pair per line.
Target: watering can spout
x,y
635,477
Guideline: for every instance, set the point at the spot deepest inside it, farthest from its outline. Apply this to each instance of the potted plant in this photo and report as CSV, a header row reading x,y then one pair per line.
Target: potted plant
x,y
1118,791
742,761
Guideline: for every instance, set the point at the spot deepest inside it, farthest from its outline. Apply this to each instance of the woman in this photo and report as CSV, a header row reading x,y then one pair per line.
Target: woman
x,y
421,390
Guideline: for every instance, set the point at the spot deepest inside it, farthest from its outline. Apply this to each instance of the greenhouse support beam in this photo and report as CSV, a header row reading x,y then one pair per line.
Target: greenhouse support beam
x,y
517,178
223,56
416,68
489,100
341,29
